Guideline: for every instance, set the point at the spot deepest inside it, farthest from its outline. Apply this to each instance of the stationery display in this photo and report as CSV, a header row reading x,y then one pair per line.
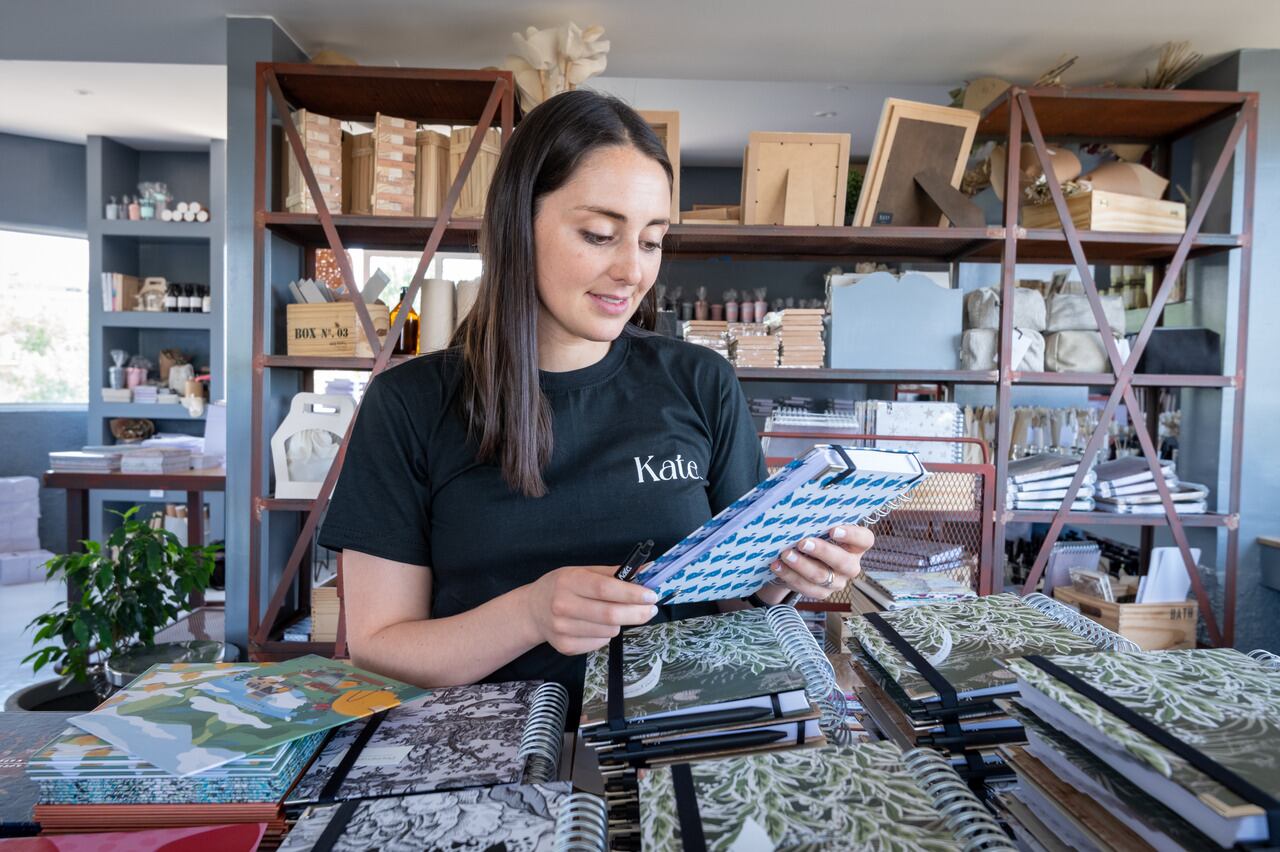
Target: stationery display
x,y
1197,730
729,556
212,722
1130,475
513,817
453,738
899,590
922,419
910,553
1043,466
870,796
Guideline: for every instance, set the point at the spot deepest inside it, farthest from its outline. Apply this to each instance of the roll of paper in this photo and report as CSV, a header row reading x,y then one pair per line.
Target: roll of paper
x,y
437,314
202,215
466,297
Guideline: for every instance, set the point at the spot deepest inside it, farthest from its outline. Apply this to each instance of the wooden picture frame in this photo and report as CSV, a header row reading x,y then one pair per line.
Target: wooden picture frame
x,y
666,123
796,179
913,138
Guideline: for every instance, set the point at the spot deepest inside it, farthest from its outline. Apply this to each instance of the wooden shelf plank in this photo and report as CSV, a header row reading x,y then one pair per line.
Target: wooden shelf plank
x,y
361,231
158,319
155,229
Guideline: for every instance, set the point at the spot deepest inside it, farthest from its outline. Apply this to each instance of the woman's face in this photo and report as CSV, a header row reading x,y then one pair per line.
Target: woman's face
x,y
598,241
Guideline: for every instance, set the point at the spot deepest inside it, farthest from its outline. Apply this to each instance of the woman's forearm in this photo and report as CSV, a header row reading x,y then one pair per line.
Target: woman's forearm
x,y
458,649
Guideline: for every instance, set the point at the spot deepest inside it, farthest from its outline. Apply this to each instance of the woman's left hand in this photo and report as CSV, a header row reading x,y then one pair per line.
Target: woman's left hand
x,y
817,568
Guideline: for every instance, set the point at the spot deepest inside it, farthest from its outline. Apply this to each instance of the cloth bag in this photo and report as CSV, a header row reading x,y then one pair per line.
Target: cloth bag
x,y
1071,312
1075,352
979,346
982,309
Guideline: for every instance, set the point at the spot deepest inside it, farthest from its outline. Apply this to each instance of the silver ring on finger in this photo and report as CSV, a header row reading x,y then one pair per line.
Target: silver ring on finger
x,y
831,578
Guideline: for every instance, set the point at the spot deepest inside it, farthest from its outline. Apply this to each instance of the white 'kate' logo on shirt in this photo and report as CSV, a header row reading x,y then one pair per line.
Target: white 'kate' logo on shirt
x,y
665,471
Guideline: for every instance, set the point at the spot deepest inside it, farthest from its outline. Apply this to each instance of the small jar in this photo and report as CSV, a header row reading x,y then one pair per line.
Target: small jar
x,y
747,311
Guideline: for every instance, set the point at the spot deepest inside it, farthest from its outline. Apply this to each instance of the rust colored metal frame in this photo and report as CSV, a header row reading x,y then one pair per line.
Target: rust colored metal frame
x,y
1124,369
501,96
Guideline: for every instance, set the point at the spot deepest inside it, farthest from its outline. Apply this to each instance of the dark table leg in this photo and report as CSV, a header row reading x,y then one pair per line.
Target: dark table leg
x,y
195,534
77,528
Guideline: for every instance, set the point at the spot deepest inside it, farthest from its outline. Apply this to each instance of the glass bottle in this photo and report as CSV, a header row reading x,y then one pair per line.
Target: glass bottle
x,y
171,298
206,300
407,342
193,299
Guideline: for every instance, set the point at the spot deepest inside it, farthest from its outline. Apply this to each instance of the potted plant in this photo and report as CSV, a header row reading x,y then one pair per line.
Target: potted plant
x,y
123,590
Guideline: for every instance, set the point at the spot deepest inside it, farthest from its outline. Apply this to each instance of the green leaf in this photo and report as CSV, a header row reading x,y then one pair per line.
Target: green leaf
x,y
81,630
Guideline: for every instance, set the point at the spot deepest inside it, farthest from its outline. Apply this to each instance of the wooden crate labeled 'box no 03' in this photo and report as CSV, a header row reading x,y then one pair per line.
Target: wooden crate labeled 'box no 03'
x,y
322,143
380,167
332,330
795,178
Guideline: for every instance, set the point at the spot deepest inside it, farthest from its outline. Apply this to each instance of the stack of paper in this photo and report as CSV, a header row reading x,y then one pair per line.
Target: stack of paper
x,y
146,394
799,332
751,345
324,611
708,333
117,395
1126,486
1040,482
19,514
84,461
156,460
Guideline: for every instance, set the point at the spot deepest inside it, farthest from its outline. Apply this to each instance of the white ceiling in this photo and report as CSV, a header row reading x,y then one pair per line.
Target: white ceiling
x,y
681,54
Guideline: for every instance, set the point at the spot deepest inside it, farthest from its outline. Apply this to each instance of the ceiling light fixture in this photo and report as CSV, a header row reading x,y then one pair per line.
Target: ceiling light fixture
x,y
83,92
826,113
837,87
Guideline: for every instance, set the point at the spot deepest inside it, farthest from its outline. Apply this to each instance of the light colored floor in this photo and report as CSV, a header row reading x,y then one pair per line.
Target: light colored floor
x,y
18,605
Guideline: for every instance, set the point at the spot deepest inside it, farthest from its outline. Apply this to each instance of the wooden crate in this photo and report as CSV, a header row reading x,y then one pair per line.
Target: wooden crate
x,y
382,166
471,202
432,173
795,178
710,214
332,329
322,142
666,124
1155,627
1112,211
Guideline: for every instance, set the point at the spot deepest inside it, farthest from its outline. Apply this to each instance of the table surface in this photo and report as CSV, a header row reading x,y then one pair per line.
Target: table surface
x,y
211,479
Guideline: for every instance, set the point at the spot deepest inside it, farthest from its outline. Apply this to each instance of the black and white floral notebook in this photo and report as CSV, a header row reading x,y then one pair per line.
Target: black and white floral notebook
x,y
451,738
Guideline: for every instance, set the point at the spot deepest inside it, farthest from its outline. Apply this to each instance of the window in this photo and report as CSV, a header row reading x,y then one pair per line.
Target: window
x,y
44,318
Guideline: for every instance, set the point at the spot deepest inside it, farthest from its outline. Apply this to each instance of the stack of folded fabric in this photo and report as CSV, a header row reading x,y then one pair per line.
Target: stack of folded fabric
x,y
1040,482
708,333
931,674
1126,486
751,345
1154,750
799,333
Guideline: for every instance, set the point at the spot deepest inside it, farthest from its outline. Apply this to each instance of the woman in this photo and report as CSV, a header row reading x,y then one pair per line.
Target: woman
x,y
490,490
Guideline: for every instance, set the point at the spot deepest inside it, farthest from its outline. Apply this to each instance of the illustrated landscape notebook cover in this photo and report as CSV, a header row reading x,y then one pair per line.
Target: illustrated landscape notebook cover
x,y
869,796
235,837
516,818
185,728
962,641
729,555
1219,701
461,736
680,665
22,735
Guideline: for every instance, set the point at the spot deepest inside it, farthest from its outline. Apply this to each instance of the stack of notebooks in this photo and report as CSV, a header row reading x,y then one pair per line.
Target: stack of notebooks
x,y
324,611
82,461
1165,750
916,419
793,418
903,554
931,674
1126,486
732,683
708,333
837,797
21,736
799,332
900,590
1040,482
751,345
146,394
156,460
117,395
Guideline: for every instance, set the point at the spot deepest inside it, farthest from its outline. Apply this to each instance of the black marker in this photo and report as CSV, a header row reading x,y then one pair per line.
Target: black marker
x,y
639,555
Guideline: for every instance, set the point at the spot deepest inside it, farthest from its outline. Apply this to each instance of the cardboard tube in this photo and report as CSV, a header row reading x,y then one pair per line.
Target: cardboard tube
x,y
437,314
465,298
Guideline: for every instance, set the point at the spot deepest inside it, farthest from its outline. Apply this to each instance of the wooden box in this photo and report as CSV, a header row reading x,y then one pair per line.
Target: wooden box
x,y
322,142
712,214
381,167
432,173
666,124
1112,211
1155,626
471,202
332,329
795,178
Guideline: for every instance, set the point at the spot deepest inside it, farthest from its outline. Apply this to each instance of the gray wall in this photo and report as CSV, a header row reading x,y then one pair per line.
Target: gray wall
x,y
42,184
29,435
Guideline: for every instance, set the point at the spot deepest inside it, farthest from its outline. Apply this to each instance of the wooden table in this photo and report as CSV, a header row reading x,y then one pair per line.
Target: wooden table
x,y
78,484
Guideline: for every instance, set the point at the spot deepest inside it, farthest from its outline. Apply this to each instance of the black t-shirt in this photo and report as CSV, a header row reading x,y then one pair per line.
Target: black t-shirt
x,y
650,442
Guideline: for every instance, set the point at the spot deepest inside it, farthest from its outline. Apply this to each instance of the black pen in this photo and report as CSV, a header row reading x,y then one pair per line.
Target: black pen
x,y
696,745
692,722
639,555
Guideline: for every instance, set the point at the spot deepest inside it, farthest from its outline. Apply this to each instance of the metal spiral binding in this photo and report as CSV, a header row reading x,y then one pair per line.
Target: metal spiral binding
x,y
968,820
1266,658
884,509
582,824
820,679
544,733
1105,639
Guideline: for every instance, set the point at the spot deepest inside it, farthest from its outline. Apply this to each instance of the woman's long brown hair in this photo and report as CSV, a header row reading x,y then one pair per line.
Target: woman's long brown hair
x,y
507,417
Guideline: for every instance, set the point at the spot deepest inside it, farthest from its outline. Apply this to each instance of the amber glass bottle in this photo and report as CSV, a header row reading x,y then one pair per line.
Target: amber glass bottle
x,y
407,342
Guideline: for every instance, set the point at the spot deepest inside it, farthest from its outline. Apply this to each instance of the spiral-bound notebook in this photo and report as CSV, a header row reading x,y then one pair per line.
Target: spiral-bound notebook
x,y
870,796
452,738
729,555
533,817
919,419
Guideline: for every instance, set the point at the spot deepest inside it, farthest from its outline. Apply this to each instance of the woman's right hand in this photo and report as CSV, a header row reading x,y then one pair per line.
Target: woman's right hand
x,y
579,608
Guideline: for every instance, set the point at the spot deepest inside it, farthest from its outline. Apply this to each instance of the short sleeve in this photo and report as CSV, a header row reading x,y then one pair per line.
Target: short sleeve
x,y
737,460
382,501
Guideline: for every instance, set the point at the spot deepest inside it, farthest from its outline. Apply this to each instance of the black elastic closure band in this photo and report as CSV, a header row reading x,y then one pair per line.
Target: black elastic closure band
x,y
614,708
691,836
946,692
849,467
1242,787
329,792
337,825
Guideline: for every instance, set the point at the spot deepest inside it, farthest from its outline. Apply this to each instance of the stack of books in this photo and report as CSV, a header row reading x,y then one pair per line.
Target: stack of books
x,y
799,332
84,461
903,554
900,590
751,345
708,333
324,611
146,394
156,460
21,736
931,674
117,395
1126,486
1040,482
1166,750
